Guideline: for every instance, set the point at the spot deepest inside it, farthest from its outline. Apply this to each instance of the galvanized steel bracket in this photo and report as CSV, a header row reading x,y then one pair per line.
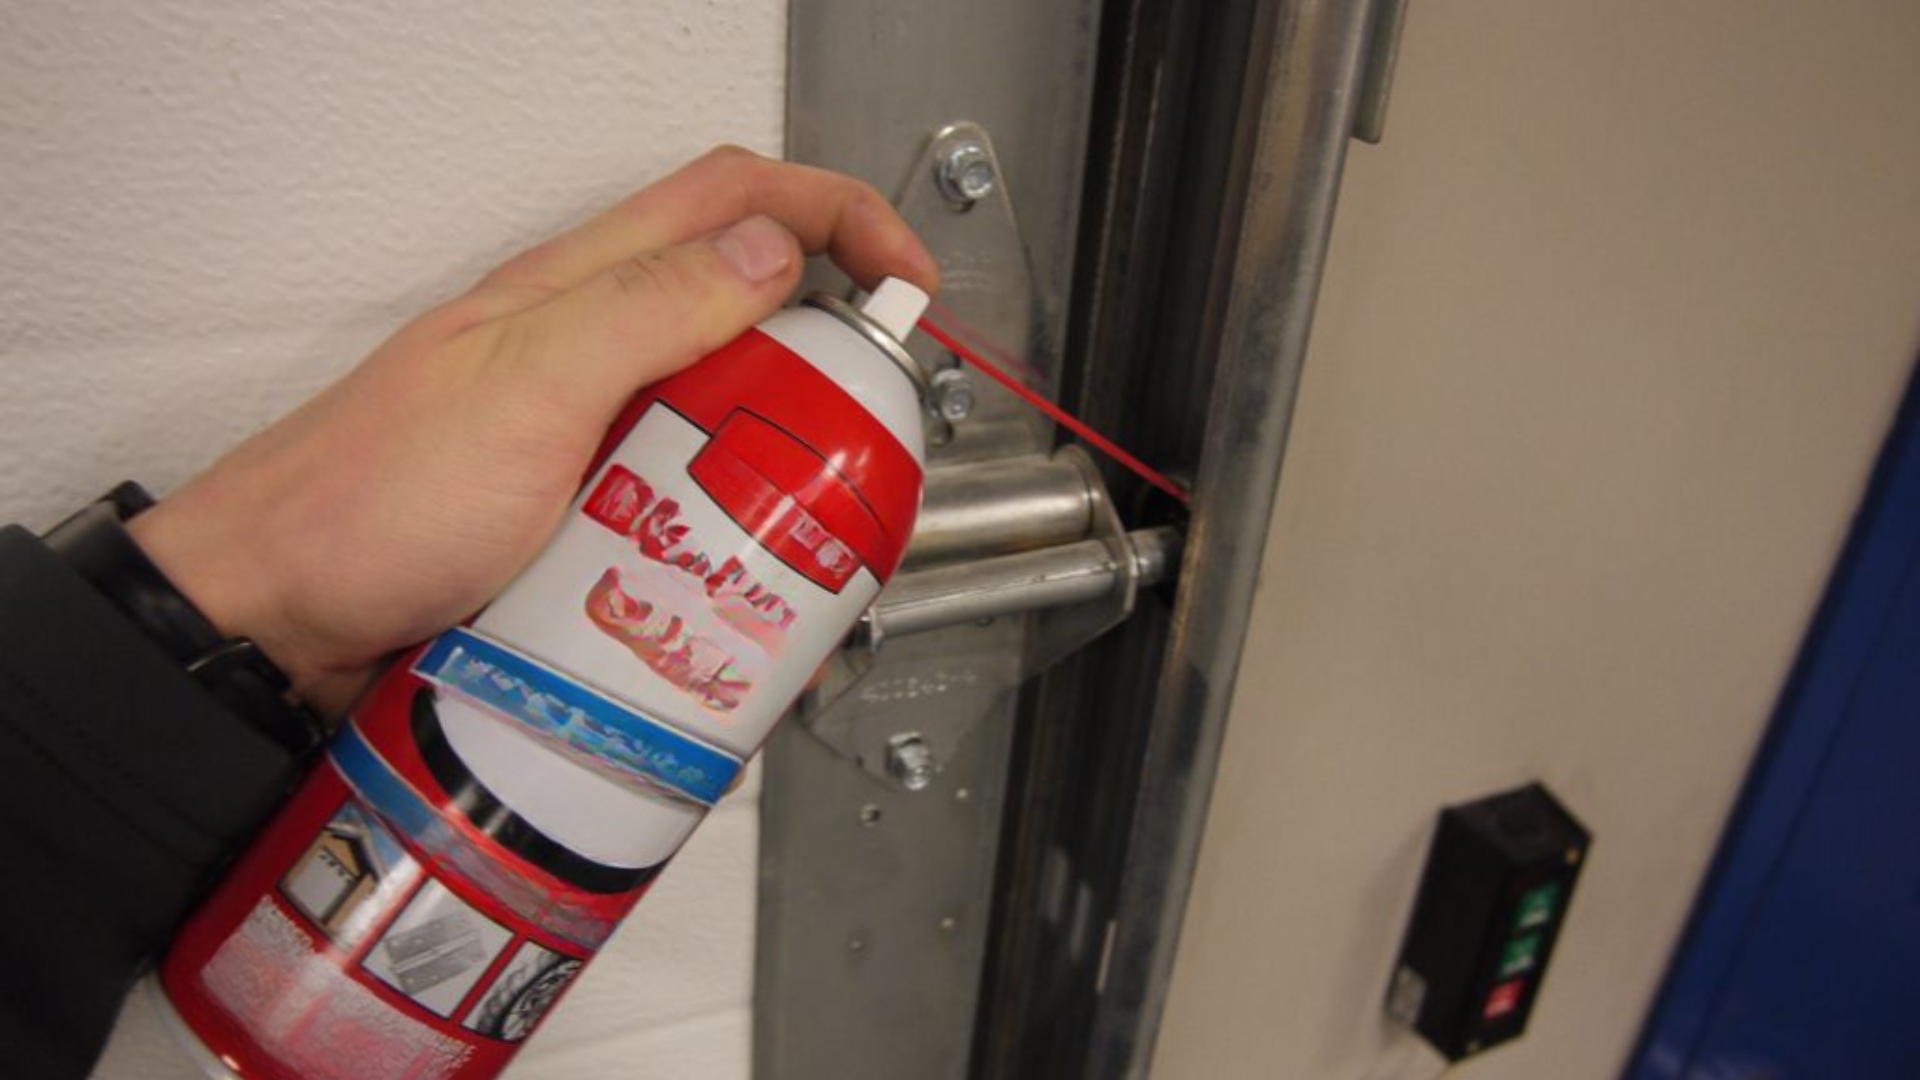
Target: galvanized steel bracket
x,y
959,201
892,700
869,702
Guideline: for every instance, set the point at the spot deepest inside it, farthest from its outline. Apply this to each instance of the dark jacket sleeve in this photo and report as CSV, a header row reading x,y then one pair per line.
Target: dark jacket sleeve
x,y
123,788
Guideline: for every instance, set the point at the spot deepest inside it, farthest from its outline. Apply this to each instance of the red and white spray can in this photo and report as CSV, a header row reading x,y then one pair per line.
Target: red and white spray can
x,y
507,792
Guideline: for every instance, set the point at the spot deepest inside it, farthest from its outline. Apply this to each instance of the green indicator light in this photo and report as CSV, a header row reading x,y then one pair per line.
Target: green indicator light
x,y
1522,954
1536,906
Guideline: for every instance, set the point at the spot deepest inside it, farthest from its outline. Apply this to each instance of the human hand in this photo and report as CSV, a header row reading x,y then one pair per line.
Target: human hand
x,y
404,497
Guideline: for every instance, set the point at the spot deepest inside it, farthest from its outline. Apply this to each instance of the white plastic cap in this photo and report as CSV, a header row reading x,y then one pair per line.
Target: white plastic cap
x,y
895,305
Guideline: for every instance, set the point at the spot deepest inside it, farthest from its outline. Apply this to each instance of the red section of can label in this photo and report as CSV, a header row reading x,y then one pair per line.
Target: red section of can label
x,y
339,948
503,796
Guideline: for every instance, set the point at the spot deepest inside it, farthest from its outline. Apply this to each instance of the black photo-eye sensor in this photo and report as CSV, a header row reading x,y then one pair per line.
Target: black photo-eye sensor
x,y
1492,900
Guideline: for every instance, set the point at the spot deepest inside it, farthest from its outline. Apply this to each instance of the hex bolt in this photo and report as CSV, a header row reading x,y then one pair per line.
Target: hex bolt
x,y
952,395
965,173
910,761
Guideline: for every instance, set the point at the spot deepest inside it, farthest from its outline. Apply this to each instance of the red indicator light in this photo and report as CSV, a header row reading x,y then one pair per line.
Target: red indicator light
x,y
1504,999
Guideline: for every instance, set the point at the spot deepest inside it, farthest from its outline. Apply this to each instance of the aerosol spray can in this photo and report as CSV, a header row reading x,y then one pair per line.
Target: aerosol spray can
x,y
507,792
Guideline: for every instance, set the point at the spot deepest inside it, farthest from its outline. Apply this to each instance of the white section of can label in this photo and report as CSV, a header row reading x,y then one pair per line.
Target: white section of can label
x,y
654,594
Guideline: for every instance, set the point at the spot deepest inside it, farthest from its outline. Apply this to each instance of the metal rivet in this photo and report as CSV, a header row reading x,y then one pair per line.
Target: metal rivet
x,y
948,923
870,815
855,944
962,795
965,173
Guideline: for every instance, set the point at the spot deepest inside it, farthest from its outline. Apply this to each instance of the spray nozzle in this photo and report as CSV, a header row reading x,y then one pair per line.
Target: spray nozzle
x,y
896,305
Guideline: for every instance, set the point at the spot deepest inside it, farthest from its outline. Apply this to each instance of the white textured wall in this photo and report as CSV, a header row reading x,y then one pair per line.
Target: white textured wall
x,y
212,208
1613,327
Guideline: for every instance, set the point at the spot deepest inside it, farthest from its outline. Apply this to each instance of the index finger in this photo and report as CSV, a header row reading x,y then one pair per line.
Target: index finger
x,y
828,212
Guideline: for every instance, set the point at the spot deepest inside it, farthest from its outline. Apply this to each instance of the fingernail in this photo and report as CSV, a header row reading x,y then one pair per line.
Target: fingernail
x,y
758,248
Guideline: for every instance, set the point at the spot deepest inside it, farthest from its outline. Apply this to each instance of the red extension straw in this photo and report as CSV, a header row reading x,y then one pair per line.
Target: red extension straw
x,y
1100,442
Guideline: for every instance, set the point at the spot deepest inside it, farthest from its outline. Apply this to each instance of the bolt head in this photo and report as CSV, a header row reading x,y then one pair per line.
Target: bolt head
x,y
976,180
965,173
910,761
953,395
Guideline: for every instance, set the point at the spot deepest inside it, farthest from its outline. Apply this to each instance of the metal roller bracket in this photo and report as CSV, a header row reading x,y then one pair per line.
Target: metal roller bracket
x,y
958,200
876,713
900,704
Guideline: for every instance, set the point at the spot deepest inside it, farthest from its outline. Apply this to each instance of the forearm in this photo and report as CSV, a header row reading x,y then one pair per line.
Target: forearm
x,y
126,785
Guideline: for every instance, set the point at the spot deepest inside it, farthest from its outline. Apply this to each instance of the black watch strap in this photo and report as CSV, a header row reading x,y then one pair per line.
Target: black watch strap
x,y
96,544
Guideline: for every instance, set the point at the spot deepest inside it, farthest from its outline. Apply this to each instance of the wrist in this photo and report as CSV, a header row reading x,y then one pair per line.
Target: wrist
x,y
98,544
215,566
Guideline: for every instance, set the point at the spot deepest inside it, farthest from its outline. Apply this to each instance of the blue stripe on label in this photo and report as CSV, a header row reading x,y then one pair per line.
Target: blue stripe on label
x,y
559,709
382,789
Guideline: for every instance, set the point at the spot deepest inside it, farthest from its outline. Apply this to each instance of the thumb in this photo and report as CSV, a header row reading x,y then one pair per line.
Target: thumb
x,y
653,314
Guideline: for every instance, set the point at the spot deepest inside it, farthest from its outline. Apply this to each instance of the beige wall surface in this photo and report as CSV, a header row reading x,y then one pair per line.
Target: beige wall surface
x,y
213,207
1614,325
